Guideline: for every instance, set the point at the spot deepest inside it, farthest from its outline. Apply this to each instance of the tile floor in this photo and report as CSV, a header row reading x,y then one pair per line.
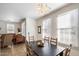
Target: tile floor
x,y
16,50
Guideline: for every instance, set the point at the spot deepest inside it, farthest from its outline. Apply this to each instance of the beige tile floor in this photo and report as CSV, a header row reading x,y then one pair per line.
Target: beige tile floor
x,y
16,50
74,52
19,50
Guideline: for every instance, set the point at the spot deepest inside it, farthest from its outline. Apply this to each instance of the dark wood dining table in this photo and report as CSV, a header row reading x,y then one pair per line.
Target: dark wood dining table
x,y
47,49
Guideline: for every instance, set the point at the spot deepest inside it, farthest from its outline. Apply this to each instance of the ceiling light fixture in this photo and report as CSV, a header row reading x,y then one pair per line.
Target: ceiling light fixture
x,y
42,8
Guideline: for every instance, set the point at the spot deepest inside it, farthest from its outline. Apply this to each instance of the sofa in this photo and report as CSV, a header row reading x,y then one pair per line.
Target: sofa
x,y
18,39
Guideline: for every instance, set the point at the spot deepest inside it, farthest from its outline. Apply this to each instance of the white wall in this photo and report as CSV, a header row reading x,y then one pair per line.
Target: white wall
x,y
3,26
31,27
78,27
23,28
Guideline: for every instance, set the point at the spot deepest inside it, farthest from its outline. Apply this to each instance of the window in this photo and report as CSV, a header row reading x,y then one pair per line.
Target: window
x,y
64,28
10,28
68,28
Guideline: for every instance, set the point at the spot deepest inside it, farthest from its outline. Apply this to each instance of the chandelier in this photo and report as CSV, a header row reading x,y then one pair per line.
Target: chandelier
x,y
42,8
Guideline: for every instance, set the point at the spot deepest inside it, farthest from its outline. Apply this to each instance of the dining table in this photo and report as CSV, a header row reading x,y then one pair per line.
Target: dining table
x,y
47,50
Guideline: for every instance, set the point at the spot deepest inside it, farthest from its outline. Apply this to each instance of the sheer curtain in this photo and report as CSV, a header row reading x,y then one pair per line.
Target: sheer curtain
x,y
68,28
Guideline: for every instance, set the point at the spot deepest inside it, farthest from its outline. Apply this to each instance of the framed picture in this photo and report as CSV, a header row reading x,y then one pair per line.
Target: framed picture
x,y
39,29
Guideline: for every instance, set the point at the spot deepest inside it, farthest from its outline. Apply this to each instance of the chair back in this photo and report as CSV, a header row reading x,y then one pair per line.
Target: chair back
x,y
68,50
31,38
53,41
28,50
46,38
8,39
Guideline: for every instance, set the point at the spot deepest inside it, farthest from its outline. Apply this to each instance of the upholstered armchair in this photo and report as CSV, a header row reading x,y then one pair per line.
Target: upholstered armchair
x,y
6,40
2,45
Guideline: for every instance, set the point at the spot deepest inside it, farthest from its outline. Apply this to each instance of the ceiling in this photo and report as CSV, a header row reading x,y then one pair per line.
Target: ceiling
x,y
14,12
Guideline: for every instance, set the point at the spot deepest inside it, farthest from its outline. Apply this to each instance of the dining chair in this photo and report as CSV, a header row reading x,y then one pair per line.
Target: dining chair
x,y
68,50
53,41
29,50
31,38
46,38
